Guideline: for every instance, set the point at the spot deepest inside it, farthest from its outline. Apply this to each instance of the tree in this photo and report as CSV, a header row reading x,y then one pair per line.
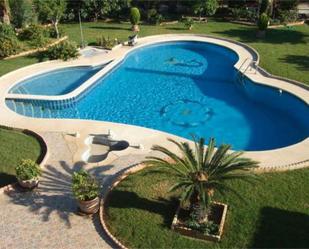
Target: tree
x,y
135,17
288,4
51,11
207,7
23,13
200,172
264,6
5,11
95,9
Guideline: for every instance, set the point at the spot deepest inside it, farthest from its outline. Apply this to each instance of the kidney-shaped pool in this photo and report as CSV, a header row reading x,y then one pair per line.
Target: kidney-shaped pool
x,y
187,88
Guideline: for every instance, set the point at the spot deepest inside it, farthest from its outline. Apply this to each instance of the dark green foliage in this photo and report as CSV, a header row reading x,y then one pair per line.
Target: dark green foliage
x,y
288,4
7,30
52,33
9,44
286,16
243,13
264,6
188,22
200,172
205,7
135,16
153,17
51,11
35,34
263,22
23,12
84,186
237,3
27,169
63,51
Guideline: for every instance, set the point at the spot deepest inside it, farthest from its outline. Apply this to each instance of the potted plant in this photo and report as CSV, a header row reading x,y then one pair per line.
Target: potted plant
x,y
135,17
262,25
86,190
27,173
188,23
200,172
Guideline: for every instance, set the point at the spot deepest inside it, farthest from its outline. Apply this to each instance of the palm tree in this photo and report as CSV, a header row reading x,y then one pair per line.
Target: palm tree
x,y
200,172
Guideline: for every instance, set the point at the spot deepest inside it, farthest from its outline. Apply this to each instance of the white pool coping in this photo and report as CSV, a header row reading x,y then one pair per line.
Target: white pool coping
x,y
294,156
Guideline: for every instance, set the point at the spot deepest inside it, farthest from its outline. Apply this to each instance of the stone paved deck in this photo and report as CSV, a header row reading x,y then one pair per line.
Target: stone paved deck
x,y
47,217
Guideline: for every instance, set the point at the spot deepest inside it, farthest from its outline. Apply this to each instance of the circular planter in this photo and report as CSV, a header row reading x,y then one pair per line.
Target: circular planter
x,y
89,207
30,184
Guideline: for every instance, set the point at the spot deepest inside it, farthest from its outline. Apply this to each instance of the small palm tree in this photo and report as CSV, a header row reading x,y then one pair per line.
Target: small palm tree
x,y
200,172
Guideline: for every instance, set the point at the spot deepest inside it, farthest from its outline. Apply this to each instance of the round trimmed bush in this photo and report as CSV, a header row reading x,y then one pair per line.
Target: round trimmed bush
x,y
263,22
135,16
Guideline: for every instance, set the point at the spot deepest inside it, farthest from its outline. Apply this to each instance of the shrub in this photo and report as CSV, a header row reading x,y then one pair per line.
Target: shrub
x,y
153,17
210,7
27,170
84,186
35,34
52,33
286,16
7,30
264,6
8,46
106,42
188,22
135,16
263,22
247,14
288,4
64,51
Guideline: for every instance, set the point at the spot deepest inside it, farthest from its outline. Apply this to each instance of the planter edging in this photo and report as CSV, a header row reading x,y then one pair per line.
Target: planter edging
x,y
133,169
198,235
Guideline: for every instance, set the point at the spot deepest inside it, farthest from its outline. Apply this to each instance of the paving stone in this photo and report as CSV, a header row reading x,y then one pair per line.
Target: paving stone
x,y
47,217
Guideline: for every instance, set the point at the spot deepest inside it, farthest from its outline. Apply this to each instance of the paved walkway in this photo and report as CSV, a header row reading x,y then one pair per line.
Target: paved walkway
x,y
47,217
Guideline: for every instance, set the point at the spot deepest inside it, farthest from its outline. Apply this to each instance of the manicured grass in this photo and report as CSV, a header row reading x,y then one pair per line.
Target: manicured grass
x,y
14,146
275,215
13,64
283,52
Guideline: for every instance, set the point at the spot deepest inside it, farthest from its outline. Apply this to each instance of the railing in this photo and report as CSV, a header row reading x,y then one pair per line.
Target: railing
x,y
244,67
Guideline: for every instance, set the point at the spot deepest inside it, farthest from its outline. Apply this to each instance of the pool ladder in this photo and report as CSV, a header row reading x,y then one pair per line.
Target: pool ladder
x,y
252,65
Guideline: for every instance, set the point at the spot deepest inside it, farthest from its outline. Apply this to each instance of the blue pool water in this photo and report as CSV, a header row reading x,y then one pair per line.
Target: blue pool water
x,y
187,88
55,82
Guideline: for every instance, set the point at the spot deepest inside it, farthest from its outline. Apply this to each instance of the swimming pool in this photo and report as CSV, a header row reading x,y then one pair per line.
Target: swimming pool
x,y
187,88
56,82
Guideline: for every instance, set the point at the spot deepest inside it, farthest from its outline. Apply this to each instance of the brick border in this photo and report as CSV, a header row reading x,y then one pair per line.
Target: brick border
x,y
102,213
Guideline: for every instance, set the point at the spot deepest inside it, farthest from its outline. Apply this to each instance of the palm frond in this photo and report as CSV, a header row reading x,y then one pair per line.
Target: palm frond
x,y
209,151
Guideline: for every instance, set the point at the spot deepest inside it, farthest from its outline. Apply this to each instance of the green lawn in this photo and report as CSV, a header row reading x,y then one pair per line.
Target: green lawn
x,y
14,146
275,215
283,52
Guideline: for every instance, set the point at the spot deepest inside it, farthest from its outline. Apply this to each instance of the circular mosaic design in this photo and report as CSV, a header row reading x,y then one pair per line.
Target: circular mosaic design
x,y
186,113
